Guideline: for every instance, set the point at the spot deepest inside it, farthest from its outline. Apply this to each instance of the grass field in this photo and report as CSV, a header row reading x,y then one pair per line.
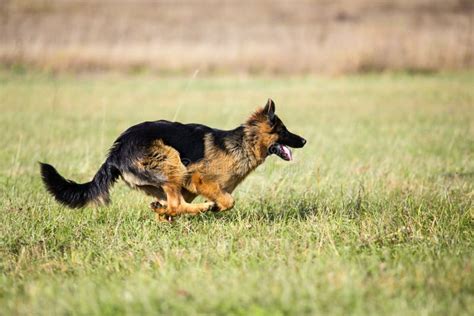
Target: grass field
x,y
374,216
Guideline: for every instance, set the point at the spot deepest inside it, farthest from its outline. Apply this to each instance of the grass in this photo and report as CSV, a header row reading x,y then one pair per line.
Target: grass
x,y
374,216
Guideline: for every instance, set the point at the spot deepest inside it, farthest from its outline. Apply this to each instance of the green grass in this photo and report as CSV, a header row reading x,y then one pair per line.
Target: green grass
x,y
374,216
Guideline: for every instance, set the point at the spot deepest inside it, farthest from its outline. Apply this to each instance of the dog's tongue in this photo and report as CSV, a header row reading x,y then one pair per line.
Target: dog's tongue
x,y
286,152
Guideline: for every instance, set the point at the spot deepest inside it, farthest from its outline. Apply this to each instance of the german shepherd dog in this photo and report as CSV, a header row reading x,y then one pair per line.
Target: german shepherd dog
x,y
176,162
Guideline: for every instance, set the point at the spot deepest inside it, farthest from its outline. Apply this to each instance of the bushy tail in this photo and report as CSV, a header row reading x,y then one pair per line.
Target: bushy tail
x,y
76,195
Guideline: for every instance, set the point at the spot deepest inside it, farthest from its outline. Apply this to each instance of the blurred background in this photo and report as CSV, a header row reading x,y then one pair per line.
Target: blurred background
x,y
302,36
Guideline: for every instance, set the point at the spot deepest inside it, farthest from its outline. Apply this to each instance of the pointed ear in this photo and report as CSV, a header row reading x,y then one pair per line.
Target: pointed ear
x,y
269,110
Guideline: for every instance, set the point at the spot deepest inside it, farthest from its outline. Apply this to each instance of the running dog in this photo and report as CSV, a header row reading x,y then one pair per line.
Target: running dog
x,y
176,162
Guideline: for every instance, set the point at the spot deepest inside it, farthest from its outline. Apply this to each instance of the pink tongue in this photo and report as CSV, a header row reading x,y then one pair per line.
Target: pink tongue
x,y
286,151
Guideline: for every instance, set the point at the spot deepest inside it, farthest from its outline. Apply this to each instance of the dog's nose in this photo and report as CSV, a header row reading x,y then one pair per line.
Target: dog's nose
x,y
303,141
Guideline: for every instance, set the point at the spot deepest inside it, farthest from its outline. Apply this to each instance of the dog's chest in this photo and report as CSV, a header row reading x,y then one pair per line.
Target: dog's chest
x,y
231,173
227,171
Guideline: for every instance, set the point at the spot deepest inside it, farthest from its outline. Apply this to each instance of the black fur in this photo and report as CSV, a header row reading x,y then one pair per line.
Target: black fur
x,y
286,137
77,195
187,139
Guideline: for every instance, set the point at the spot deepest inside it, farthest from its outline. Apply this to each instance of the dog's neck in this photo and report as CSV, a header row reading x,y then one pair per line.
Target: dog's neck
x,y
246,146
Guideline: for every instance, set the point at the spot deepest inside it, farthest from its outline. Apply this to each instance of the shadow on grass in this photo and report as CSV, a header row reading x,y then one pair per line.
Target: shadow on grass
x,y
267,211
458,175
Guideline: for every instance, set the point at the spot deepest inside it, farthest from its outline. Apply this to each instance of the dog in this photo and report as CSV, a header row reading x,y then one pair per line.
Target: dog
x,y
175,162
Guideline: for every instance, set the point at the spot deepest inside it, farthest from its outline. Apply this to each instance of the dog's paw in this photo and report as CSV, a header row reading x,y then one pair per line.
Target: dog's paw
x,y
213,207
158,208
155,206
164,218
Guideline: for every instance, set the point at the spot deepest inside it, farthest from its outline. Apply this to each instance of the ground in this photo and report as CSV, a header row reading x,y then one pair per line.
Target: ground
x,y
374,216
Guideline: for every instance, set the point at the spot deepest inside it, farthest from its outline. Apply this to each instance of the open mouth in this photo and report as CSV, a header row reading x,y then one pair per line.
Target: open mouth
x,y
281,151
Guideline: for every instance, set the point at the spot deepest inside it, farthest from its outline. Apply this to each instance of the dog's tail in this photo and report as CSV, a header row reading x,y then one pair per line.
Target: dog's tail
x,y
77,195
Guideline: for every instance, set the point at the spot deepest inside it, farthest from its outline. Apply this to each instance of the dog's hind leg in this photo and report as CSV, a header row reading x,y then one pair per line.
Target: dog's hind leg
x,y
163,167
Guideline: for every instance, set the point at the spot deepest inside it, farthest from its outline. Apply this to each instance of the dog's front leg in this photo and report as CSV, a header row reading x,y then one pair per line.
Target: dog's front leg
x,y
224,202
213,192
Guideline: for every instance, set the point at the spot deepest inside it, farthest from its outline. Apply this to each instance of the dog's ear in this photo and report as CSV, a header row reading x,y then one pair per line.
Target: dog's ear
x,y
269,110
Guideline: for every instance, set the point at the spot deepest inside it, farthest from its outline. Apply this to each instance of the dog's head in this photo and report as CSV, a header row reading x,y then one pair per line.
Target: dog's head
x,y
273,136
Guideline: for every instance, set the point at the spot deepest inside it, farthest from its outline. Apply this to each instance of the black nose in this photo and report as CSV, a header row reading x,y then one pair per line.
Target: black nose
x,y
303,141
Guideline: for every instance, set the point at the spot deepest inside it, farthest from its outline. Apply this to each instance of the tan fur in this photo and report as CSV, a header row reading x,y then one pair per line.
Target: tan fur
x,y
165,160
